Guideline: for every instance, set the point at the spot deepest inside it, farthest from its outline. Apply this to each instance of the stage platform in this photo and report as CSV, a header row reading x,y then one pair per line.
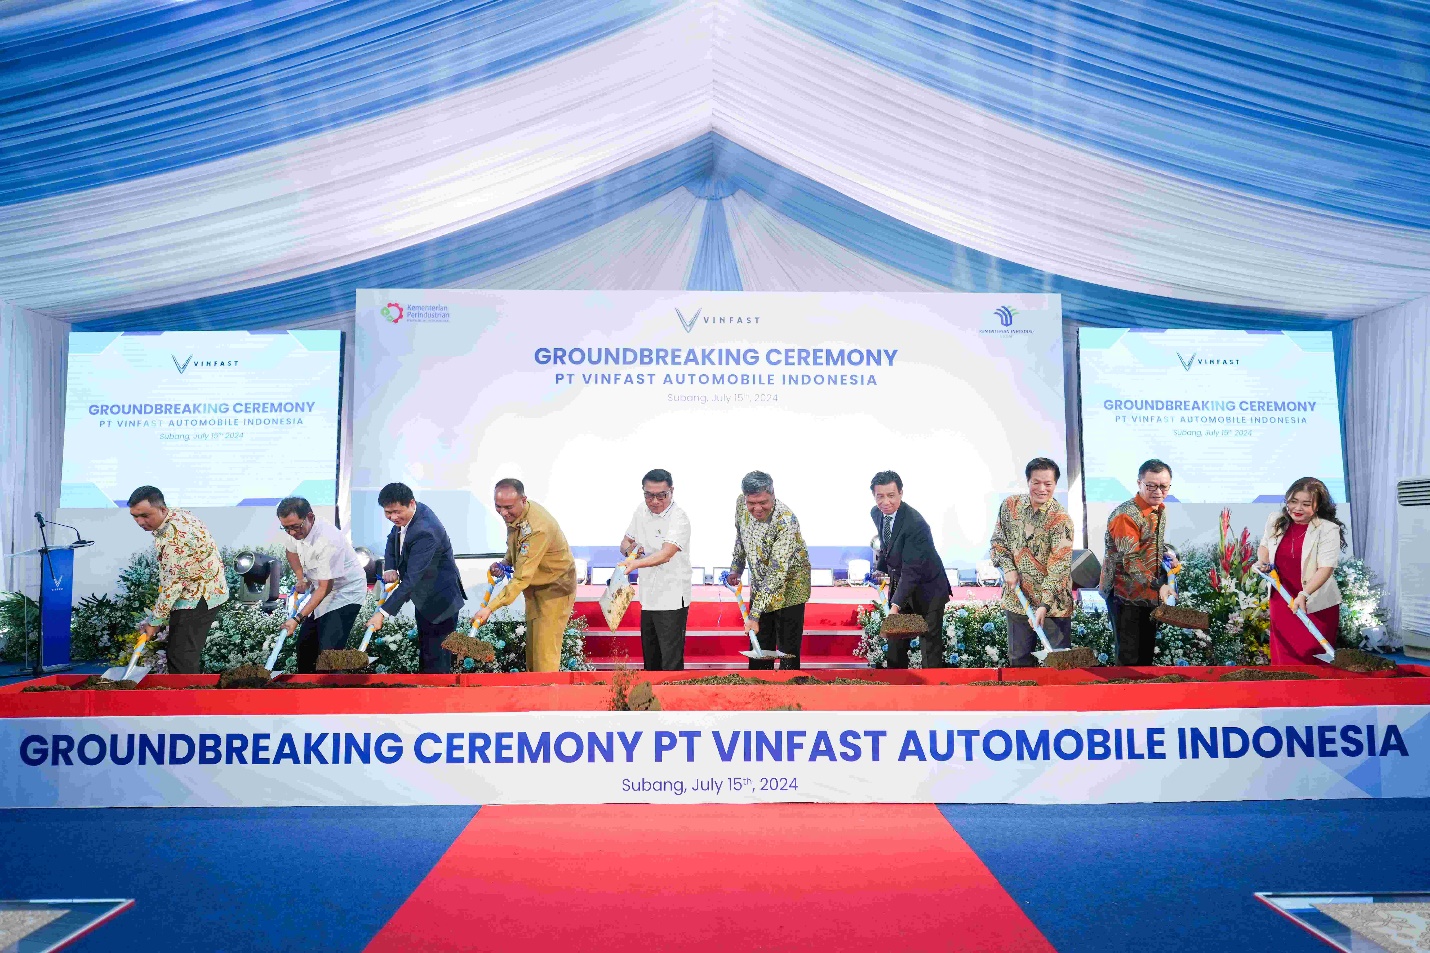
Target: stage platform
x,y
714,636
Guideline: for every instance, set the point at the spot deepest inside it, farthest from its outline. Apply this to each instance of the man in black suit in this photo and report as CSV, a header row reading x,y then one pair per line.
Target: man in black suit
x,y
420,555
916,574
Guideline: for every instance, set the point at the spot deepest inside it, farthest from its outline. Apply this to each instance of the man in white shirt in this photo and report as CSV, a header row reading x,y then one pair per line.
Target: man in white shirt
x,y
325,563
660,531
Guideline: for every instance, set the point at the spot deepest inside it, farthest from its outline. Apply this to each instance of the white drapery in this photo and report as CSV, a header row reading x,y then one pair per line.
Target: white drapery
x,y
1387,429
34,358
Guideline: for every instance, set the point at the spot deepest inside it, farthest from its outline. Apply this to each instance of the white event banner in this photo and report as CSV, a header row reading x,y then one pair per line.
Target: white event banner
x,y
579,393
672,757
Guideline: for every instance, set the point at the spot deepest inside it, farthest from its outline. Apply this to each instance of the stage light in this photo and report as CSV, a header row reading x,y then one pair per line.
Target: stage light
x,y
261,576
371,565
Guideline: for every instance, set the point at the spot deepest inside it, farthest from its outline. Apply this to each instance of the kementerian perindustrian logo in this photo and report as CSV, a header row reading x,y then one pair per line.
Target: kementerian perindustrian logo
x,y
392,312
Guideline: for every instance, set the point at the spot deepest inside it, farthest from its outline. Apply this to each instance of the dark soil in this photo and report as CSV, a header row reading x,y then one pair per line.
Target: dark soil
x,y
467,647
341,660
1182,617
1171,678
642,698
245,676
98,684
903,625
1262,675
46,688
1078,657
1354,660
994,683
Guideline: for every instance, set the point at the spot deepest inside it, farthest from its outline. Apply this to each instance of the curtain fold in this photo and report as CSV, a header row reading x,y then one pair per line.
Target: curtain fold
x,y
34,358
1387,419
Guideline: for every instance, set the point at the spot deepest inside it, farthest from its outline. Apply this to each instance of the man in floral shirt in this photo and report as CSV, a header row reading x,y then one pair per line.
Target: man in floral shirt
x,y
1133,580
1032,543
191,579
768,540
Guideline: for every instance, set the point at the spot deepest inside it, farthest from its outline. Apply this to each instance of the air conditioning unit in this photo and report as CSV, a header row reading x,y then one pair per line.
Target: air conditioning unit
x,y
1413,580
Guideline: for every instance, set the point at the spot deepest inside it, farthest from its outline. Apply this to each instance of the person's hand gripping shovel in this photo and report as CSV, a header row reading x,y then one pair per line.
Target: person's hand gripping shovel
x,y
1329,655
1047,649
469,646
295,606
133,672
755,651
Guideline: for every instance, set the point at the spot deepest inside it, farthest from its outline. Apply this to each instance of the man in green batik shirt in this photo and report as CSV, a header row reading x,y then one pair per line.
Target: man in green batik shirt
x,y
768,540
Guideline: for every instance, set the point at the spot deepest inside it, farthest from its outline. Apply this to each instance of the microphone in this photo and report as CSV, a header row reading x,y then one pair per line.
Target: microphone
x,y
79,539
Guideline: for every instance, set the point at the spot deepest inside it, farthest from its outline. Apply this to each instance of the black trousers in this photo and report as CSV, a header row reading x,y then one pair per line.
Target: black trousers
x,y
663,639
931,643
1135,631
188,631
781,629
1022,640
435,660
330,631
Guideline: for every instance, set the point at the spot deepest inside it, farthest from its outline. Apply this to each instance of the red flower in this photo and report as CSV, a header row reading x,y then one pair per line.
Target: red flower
x,y
1215,579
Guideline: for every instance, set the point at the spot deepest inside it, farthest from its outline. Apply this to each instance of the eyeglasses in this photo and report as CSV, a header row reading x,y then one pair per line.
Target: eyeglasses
x,y
1156,487
294,529
662,495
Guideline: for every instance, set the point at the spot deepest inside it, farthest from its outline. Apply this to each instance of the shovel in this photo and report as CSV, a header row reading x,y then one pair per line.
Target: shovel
x,y
1327,656
755,652
1042,636
1169,612
130,673
367,636
295,605
881,598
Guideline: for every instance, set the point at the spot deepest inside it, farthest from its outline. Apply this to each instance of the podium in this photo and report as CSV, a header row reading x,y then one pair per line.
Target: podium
x,y
56,565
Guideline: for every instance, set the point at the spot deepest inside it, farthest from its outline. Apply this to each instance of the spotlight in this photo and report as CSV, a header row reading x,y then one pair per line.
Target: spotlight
x,y
371,565
262,575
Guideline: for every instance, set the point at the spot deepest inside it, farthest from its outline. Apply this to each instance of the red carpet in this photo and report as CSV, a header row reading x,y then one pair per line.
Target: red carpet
x,y
816,877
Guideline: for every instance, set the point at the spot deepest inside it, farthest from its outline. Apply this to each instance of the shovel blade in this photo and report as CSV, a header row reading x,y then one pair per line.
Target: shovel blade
x,y
1041,654
765,654
1327,656
116,674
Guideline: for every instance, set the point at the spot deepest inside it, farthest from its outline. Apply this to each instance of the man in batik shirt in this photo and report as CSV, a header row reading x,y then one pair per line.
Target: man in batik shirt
x,y
191,579
1133,580
1032,543
768,540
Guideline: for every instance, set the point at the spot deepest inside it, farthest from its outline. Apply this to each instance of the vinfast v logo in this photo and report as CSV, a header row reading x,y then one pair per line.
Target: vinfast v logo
x,y
1005,316
1186,362
688,325
181,367
393,312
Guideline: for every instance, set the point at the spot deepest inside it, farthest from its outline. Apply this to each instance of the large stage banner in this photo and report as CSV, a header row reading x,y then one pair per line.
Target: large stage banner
x,y
555,757
580,393
1239,415
213,418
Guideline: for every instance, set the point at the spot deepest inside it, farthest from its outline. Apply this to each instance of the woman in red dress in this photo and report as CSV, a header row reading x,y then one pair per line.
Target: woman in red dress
x,y
1303,542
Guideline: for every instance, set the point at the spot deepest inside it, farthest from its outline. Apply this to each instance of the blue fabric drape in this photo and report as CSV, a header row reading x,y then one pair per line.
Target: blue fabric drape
x,y
1318,103
93,94
714,267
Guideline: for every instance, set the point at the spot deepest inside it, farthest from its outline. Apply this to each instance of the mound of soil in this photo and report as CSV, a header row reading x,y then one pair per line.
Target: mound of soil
x,y
642,698
1015,683
45,688
1262,675
98,684
341,660
902,625
245,676
467,647
1354,660
1077,657
1171,678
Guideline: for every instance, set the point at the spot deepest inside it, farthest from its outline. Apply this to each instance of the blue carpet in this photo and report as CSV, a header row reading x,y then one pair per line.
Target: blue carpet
x,y
229,879
1180,877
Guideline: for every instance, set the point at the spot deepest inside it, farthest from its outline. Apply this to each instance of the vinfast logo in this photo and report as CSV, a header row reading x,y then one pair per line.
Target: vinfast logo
x,y
392,312
181,367
1005,316
1190,361
190,362
689,323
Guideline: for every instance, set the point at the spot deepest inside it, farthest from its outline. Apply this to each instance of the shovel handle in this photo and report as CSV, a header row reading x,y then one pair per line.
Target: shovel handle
x,y
139,644
367,636
1300,613
1042,636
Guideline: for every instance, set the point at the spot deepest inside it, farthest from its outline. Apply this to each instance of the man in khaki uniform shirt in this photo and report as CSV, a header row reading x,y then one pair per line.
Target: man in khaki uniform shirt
x,y
543,569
